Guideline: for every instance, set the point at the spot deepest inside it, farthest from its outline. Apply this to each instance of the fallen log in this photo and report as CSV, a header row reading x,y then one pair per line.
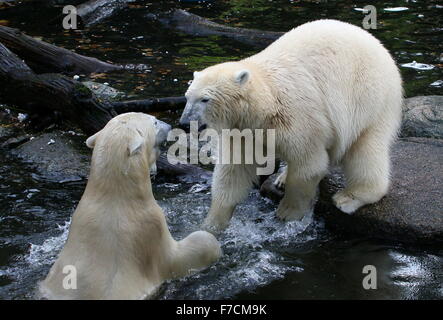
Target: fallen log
x,y
187,173
36,93
43,57
150,105
195,25
94,11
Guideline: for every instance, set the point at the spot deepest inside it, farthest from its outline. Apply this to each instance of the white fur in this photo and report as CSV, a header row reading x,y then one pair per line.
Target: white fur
x,y
334,95
118,240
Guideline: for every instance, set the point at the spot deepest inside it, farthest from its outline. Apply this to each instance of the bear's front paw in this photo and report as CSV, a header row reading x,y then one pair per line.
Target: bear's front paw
x,y
217,219
214,226
289,212
346,202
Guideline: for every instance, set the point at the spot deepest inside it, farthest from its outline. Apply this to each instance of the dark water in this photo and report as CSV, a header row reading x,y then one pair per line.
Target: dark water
x,y
263,257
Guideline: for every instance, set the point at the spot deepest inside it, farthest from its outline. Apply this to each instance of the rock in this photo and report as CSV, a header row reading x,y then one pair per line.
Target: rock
x,y
63,156
6,132
423,117
103,91
14,141
269,190
9,129
411,212
57,156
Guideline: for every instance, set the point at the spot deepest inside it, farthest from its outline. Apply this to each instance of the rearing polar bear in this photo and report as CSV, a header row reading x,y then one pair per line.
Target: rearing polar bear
x,y
119,244
332,93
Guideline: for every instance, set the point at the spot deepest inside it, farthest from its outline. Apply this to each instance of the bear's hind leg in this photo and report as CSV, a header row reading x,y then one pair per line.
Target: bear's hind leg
x,y
366,167
301,187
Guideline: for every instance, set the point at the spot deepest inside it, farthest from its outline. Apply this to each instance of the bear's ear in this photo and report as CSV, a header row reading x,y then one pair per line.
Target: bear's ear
x,y
196,74
135,143
90,142
241,77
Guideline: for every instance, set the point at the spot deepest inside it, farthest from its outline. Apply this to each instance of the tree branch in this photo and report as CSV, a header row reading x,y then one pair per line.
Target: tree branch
x,y
43,57
195,25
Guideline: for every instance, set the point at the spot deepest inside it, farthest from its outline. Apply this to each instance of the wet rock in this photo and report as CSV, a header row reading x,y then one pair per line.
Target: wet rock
x,y
6,132
269,190
411,212
14,141
423,117
63,156
8,127
57,156
103,91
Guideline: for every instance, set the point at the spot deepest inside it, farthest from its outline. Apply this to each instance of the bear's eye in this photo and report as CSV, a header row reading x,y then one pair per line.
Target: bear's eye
x,y
205,100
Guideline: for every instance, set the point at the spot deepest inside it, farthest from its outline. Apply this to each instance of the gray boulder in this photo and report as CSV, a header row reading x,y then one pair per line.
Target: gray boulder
x,y
57,156
103,91
411,212
63,156
423,117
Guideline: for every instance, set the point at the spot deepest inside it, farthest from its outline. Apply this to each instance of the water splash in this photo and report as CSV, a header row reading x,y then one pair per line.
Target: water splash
x,y
47,252
418,66
39,255
33,266
198,188
396,9
253,247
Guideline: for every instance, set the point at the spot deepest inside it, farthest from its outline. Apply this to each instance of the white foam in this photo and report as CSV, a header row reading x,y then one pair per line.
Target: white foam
x,y
198,188
47,252
39,255
396,9
252,246
418,66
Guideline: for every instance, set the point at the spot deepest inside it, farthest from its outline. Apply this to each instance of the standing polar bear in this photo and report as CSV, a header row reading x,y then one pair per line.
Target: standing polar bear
x,y
332,93
119,245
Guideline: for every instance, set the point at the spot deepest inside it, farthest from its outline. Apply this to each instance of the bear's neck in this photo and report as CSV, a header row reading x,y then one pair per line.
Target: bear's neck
x,y
257,96
128,187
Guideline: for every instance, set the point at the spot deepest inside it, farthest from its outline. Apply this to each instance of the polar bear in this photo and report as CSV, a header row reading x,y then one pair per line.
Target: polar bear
x,y
332,93
119,245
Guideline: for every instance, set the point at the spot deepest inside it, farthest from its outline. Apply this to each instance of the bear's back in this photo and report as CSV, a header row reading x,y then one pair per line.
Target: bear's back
x,y
338,71
325,41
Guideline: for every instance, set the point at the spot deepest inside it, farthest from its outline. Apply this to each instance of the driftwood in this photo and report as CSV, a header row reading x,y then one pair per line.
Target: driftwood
x,y
150,105
195,25
94,11
39,93
43,57
32,83
187,173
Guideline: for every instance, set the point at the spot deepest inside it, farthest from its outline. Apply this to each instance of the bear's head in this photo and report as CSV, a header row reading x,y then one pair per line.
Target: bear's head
x,y
128,141
218,96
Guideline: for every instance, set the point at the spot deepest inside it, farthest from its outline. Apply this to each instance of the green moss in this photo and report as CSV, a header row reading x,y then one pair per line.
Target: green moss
x,y
200,53
82,90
